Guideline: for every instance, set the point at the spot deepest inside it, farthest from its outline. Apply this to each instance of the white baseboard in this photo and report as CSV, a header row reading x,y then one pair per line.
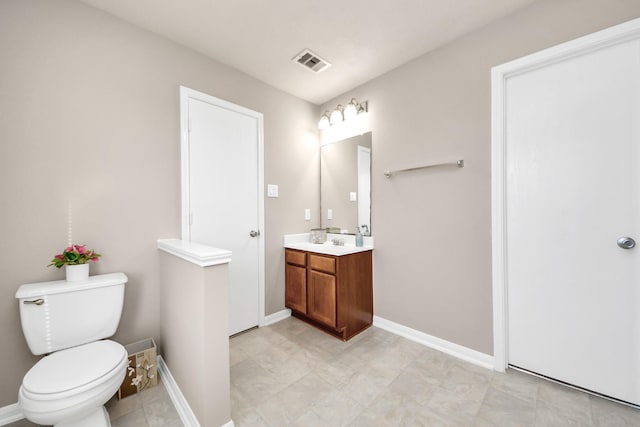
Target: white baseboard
x,y
10,414
185,413
455,350
275,317
187,416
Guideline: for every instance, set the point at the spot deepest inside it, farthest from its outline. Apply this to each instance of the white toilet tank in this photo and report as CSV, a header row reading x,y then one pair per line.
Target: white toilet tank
x,y
58,315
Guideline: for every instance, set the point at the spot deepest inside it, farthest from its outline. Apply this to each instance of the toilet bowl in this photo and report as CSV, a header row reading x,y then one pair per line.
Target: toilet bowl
x,y
69,321
66,387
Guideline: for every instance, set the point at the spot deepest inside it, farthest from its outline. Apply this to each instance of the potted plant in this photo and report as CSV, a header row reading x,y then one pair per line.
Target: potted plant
x,y
76,259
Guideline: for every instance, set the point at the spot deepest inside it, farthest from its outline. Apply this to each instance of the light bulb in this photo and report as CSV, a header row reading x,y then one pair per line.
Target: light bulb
x,y
324,121
336,115
351,110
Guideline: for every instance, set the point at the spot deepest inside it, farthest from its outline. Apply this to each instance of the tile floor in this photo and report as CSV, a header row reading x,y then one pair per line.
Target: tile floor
x,y
149,408
290,374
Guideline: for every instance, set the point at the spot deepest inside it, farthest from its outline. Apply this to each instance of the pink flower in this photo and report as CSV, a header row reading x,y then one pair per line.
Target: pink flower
x,y
74,254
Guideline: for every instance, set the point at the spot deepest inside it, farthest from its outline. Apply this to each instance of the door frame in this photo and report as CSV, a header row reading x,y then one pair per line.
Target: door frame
x,y
185,95
360,150
499,76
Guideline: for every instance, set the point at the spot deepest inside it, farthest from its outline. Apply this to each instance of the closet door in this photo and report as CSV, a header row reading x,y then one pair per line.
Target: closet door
x,y
572,187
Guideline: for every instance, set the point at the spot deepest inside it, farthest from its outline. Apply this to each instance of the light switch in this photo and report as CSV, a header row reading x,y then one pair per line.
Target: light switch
x,y
307,214
352,196
272,190
329,213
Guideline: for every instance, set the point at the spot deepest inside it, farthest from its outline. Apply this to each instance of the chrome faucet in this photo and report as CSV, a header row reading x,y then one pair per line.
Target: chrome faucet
x,y
337,242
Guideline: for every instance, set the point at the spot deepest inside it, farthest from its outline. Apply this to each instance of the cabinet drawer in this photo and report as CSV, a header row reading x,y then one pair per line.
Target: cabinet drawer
x,y
295,257
322,263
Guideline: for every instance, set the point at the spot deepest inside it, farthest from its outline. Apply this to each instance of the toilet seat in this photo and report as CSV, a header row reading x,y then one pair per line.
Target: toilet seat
x,y
64,389
72,371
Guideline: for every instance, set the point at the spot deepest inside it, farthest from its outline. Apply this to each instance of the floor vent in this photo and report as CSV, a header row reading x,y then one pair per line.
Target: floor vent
x,y
311,61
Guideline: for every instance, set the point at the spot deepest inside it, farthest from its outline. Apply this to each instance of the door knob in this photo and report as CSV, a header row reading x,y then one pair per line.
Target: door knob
x,y
254,233
626,242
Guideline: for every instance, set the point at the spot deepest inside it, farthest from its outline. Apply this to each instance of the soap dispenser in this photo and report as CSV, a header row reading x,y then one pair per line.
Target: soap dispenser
x,y
359,239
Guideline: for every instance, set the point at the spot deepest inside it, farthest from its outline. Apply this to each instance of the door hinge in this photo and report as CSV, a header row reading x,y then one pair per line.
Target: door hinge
x,y
190,218
189,125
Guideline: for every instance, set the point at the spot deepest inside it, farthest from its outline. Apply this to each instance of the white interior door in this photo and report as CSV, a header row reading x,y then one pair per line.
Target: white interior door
x,y
225,197
572,137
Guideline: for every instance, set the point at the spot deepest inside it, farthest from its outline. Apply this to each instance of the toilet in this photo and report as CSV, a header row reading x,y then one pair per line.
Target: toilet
x,y
69,321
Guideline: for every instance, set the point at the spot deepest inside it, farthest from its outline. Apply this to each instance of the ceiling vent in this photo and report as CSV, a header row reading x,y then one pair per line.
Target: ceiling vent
x,y
311,61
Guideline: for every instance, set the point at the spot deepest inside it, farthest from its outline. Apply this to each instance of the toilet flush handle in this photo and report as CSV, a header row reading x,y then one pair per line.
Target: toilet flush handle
x,y
38,301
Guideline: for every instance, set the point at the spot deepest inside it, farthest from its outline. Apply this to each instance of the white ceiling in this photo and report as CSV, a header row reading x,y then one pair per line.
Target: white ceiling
x,y
361,38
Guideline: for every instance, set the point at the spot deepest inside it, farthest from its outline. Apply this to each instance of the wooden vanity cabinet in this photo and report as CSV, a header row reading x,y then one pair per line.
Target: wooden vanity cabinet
x,y
334,293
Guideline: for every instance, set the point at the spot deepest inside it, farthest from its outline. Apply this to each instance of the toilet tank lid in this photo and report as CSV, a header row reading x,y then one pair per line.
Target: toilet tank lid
x,y
31,290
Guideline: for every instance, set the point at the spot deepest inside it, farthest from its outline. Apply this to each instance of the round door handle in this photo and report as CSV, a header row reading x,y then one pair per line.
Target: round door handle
x,y
254,233
626,242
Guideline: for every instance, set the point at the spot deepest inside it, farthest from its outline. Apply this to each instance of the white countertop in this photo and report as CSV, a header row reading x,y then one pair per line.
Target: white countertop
x,y
302,242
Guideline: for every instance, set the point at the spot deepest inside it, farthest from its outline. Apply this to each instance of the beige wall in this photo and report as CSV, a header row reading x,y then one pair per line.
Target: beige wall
x,y
194,321
89,115
433,228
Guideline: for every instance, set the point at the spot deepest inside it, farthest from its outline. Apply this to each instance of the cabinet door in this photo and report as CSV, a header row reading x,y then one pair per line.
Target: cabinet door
x,y
322,298
296,288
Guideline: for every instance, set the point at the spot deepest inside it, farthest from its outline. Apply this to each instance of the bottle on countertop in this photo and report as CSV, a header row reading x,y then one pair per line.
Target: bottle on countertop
x,y
359,239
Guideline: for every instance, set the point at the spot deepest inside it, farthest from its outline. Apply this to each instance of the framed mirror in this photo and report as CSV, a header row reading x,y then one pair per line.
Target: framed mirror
x,y
345,185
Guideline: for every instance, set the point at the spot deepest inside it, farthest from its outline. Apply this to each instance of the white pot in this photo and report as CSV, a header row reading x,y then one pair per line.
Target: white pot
x,y
77,272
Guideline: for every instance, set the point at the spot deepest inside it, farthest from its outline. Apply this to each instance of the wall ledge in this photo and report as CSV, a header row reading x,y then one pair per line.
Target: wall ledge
x,y
196,253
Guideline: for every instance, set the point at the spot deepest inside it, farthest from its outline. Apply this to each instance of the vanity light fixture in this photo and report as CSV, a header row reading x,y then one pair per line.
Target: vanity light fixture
x,y
341,114
336,115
